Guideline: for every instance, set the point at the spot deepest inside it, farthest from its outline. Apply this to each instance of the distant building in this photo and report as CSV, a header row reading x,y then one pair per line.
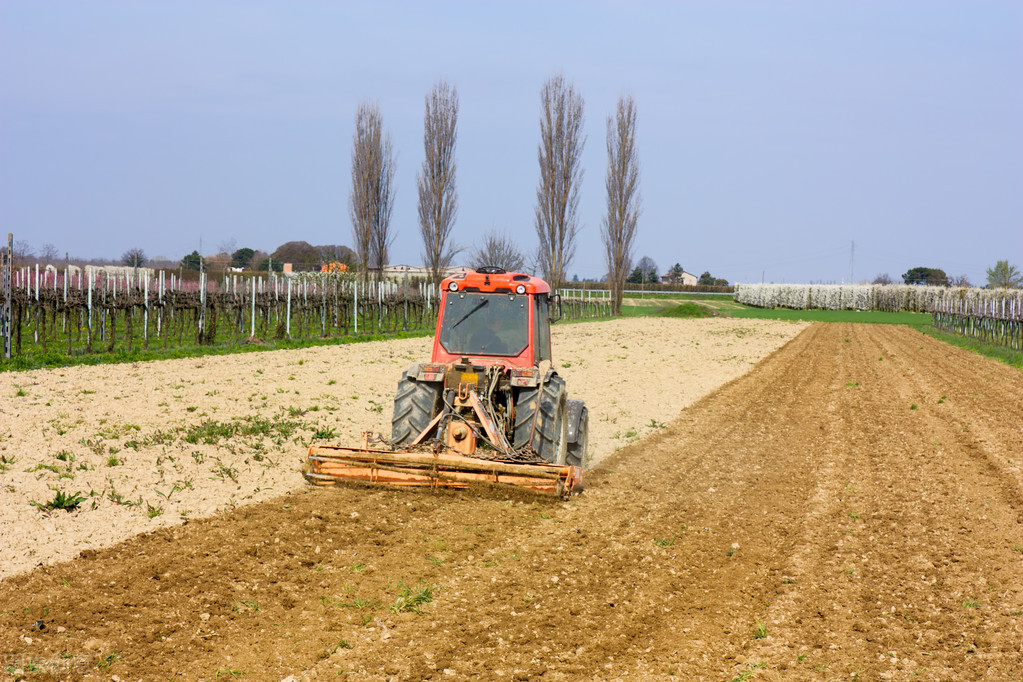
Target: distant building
x,y
398,271
685,278
119,271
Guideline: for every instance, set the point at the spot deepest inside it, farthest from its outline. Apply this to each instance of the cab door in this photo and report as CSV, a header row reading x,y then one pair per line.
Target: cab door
x,y
541,329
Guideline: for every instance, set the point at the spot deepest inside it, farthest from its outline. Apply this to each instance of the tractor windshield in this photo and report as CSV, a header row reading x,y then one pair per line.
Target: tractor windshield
x,y
485,324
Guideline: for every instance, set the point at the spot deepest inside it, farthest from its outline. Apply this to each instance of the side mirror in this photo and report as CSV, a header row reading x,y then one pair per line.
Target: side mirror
x,y
555,305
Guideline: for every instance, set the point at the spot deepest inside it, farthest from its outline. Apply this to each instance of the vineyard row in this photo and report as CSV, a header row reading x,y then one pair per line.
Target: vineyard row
x,y
97,314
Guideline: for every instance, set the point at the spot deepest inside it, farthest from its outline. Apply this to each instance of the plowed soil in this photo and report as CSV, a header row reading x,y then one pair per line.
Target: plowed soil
x,y
852,507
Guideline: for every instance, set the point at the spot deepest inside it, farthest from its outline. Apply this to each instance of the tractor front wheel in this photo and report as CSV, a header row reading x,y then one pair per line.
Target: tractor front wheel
x,y
415,404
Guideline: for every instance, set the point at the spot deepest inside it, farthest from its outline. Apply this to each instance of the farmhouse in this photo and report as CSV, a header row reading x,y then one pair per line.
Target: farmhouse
x,y
683,277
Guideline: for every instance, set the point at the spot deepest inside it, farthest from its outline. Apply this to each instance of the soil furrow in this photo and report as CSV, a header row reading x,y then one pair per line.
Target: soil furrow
x,y
805,521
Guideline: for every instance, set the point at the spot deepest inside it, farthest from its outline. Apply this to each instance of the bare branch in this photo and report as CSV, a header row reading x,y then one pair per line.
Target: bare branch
x,y
557,195
370,203
438,199
618,229
499,251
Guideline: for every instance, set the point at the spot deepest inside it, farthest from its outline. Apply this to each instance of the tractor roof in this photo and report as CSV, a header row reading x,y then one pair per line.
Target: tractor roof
x,y
495,280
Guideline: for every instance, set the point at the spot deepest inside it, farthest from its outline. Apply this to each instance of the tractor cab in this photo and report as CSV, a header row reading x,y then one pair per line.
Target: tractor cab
x,y
494,315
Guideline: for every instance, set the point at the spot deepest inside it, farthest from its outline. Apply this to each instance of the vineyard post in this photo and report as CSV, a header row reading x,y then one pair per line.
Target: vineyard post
x,y
287,315
88,342
67,272
253,332
35,330
145,313
6,289
159,317
355,305
66,320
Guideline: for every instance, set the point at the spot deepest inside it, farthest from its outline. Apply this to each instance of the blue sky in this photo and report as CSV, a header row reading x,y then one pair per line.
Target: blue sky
x,y
772,135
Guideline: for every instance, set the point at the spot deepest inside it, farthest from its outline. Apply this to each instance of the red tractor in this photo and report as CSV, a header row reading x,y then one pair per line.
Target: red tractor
x,y
489,405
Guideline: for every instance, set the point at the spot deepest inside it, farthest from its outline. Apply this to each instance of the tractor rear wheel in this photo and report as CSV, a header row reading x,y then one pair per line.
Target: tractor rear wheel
x,y
577,449
415,404
548,407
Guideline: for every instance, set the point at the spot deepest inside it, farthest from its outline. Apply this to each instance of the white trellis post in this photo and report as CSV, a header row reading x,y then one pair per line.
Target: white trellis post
x,y
253,332
287,317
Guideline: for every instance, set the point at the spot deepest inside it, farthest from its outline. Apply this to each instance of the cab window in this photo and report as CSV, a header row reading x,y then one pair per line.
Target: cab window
x,y
484,324
541,329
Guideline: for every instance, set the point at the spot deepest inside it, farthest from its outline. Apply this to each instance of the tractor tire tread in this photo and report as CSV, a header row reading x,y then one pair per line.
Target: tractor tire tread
x,y
415,405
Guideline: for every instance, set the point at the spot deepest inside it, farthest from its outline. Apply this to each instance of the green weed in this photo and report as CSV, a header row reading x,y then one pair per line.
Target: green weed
x,y
225,471
61,500
249,604
325,433
412,598
108,660
343,644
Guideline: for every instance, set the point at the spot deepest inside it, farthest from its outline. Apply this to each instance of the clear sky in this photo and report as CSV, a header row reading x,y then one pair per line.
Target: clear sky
x,y
772,135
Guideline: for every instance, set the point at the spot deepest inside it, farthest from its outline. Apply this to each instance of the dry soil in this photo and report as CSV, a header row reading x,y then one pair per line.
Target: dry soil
x,y
853,506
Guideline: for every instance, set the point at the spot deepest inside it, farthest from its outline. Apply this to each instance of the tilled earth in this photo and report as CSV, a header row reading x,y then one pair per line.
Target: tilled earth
x,y
853,507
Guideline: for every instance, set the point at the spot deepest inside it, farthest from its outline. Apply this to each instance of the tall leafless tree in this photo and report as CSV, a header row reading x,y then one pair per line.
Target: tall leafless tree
x,y
438,199
134,257
498,250
22,253
561,173
370,203
618,230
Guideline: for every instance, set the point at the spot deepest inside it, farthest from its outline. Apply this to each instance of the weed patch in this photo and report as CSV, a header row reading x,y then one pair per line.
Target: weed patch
x,y
412,598
61,500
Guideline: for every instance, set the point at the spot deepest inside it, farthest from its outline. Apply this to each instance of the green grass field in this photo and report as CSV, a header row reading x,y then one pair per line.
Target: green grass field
x,y
682,305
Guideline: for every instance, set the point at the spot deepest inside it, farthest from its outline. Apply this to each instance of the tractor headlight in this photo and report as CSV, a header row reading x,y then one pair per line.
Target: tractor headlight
x,y
520,289
452,286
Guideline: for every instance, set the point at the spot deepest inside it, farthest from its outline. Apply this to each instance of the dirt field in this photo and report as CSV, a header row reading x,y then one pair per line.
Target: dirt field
x,y
853,506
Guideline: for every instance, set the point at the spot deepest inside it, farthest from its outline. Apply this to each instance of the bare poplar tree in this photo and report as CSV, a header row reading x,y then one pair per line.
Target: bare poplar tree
x,y
619,225
369,205
499,251
561,173
438,199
